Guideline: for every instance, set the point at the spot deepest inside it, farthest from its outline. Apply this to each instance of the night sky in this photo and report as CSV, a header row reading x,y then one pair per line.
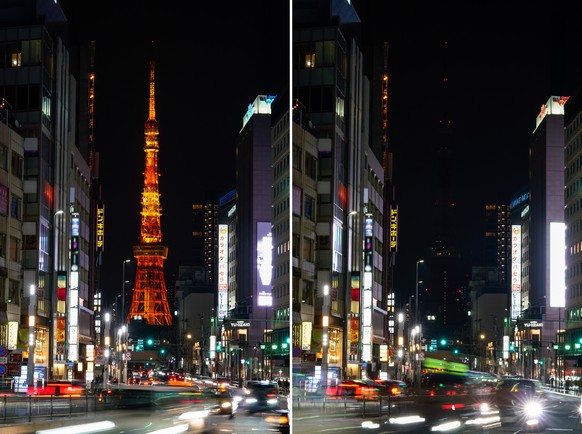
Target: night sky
x,y
209,67
503,61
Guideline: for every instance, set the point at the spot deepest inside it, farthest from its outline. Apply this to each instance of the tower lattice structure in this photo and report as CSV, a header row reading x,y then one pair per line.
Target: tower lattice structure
x,y
150,299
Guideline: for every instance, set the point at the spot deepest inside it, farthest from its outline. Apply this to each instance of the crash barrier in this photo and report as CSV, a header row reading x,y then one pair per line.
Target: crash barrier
x,y
16,408
365,406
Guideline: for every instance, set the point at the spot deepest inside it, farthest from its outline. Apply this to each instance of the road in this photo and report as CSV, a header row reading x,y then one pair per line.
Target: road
x,y
145,421
135,410
562,412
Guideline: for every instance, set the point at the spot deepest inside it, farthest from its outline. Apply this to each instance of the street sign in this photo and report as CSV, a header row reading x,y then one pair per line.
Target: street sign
x,y
421,356
2,369
3,351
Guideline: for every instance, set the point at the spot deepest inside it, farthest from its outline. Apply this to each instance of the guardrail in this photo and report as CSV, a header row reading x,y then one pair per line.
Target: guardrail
x,y
14,408
362,405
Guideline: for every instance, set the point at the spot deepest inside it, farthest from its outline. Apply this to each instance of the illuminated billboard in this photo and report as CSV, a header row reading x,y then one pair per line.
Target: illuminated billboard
x,y
393,225
515,271
366,294
73,307
100,228
264,264
222,271
557,264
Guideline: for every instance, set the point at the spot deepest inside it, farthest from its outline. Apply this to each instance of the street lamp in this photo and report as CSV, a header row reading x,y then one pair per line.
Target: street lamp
x,y
420,261
188,352
325,338
124,322
413,355
121,371
31,338
400,344
123,282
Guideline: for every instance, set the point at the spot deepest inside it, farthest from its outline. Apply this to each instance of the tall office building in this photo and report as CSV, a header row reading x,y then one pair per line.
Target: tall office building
x,y
570,319
543,290
495,247
11,186
303,255
349,289
254,233
204,237
197,234
41,88
279,337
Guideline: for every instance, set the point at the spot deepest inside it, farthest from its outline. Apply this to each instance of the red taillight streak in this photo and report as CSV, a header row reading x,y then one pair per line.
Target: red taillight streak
x,y
452,406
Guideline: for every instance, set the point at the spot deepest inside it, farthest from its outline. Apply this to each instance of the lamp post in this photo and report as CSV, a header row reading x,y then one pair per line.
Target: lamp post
x,y
418,328
31,338
400,345
324,337
189,352
121,372
123,282
124,322
414,355
420,261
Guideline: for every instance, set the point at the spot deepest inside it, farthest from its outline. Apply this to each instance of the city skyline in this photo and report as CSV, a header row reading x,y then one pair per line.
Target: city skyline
x,y
203,89
500,72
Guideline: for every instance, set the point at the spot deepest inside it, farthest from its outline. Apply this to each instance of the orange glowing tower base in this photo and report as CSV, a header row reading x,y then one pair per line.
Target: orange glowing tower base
x,y
150,297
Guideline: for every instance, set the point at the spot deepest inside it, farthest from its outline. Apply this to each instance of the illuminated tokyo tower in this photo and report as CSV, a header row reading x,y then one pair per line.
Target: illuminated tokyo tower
x,y
150,300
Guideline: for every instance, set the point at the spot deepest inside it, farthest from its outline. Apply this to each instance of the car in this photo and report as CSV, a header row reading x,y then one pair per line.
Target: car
x,y
59,388
521,401
261,396
502,394
392,387
279,420
444,383
355,389
222,400
526,389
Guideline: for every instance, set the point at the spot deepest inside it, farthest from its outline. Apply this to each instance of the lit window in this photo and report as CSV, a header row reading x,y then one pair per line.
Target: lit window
x,y
16,59
310,60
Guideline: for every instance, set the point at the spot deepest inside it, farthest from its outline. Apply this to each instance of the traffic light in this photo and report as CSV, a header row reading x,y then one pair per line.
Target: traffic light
x,y
456,351
218,346
150,341
443,342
